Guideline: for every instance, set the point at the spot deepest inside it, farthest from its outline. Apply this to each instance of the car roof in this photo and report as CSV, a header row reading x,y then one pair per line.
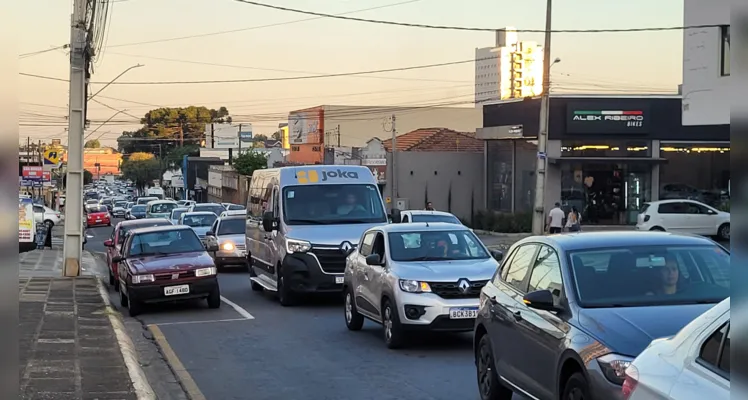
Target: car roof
x,y
179,209
430,212
597,240
161,228
422,227
207,204
199,213
143,222
232,217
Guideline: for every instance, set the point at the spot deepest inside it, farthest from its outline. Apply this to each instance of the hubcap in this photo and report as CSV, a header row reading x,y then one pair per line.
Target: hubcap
x,y
726,232
576,394
387,324
348,308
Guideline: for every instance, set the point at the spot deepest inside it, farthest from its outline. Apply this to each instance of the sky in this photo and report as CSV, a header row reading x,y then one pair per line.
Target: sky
x,y
623,63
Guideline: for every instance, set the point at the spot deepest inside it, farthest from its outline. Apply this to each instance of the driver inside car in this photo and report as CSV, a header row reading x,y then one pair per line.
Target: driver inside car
x,y
350,206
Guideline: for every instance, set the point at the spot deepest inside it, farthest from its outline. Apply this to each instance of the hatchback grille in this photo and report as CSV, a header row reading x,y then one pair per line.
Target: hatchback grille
x,y
452,290
331,260
169,276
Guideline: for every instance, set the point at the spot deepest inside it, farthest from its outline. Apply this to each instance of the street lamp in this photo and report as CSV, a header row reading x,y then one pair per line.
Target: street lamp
x,y
115,78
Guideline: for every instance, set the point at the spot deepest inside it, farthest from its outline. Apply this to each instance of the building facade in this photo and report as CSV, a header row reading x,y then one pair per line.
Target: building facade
x,y
706,63
512,69
606,155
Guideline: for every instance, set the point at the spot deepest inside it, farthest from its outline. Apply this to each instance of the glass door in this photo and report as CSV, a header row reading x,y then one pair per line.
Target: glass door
x,y
637,190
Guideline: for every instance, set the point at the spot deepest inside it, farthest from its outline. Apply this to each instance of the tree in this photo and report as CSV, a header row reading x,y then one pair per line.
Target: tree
x,y
142,169
259,138
92,144
174,158
246,163
87,177
278,135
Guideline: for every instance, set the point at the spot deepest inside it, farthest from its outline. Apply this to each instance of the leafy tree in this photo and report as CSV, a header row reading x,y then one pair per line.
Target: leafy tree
x,y
87,177
259,138
246,163
278,135
92,144
174,158
142,169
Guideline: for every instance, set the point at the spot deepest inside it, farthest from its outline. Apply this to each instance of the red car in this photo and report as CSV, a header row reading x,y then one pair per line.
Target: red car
x,y
114,243
97,216
164,264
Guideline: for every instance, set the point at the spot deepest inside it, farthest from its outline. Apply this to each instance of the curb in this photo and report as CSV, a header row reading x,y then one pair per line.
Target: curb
x,y
143,389
501,234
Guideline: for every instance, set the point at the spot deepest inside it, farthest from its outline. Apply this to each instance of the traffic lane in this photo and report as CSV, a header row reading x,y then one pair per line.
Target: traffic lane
x,y
307,352
97,235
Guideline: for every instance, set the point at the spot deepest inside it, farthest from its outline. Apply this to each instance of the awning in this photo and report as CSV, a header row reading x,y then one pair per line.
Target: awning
x,y
608,160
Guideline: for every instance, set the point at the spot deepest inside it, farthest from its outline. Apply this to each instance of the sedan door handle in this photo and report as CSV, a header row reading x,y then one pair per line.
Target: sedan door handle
x,y
517,316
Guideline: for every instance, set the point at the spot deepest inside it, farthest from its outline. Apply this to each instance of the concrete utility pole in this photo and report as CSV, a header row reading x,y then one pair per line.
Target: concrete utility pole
x,y
538,217
393,186
79,61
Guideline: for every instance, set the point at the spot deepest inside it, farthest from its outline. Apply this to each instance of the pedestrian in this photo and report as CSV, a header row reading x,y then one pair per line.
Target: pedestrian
x,y
556,219
429,206
574,220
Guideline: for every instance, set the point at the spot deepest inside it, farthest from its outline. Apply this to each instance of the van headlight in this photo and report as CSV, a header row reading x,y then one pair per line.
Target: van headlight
x,y
228,246
297,246
410,286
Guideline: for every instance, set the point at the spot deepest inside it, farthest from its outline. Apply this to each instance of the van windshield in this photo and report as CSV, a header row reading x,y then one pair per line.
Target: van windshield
x,y
332,204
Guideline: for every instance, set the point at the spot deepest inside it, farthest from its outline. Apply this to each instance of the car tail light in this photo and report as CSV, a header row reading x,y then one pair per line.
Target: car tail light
x,y
630,383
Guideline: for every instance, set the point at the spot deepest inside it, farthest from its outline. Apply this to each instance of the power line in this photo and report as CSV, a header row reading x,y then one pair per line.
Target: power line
x,y
25,55
289,78
256,27
464,28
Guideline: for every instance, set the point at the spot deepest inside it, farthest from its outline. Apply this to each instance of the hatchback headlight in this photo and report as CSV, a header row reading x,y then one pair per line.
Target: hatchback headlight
x,y
411,286
614,367
297,246
142,278
205,271
228,246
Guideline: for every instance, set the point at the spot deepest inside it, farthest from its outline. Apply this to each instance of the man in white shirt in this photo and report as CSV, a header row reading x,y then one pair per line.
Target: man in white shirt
x,y
556,219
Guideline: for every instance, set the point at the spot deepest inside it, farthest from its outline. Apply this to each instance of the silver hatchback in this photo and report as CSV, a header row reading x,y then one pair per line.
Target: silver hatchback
x,y
416,277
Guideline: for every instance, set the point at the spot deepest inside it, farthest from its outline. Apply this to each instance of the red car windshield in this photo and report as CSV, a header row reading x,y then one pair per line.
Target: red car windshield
x,y
97,210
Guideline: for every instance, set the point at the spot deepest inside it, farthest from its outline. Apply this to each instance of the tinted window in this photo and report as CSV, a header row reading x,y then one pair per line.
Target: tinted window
x,y
332,204
163,208
716,349
120,204
199,220
436,218
165,242
672,208
232,227
546,275
215,209
235,207
137,209
435,245
95,209
694,208
405,218
651,275
516,271
38,209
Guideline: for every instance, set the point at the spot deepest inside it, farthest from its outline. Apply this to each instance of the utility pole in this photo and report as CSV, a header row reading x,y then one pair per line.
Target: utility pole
x,y
181,134
41,164
393,186
239,135
212,136
79,63
28,150
538,217
337,132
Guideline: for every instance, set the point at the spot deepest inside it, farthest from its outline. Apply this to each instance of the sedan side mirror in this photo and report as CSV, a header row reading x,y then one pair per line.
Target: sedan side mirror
x,y
117,259
108,243
540,300
373,259
497,255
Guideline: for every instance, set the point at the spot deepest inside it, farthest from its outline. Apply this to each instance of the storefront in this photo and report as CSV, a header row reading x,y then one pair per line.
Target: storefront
x,y
606,156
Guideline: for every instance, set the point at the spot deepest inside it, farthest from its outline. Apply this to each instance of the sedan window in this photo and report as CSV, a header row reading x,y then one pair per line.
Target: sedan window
x,y
165,242
434,246
515,272
715,352
546,274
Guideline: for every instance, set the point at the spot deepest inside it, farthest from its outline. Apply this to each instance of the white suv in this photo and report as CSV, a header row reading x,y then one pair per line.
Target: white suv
x,y
684,216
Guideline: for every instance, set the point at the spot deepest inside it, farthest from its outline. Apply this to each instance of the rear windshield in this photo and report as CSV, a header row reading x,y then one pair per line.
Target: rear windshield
x,y
120,204
644,209
232,227
215,209
435,218
176,213
199,220
232,207
146,200
138,208
163,208
96,209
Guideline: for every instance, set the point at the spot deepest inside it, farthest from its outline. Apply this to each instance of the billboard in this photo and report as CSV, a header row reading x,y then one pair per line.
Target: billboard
x,y
32,172
592,118
25,221
305,127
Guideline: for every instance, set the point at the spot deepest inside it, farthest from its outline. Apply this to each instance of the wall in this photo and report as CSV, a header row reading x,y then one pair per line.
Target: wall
x,y
454,182
706,96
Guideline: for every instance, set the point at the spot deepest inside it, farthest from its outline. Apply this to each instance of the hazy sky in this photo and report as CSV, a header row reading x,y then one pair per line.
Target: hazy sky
x,y
591,62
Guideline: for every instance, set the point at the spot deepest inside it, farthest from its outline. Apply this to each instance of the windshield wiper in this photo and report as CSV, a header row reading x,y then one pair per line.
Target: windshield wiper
x,y
425,258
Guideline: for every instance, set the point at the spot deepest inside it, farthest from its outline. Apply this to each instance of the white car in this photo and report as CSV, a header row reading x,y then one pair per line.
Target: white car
x,y
692,365
408,216
230,213
684,216
46,215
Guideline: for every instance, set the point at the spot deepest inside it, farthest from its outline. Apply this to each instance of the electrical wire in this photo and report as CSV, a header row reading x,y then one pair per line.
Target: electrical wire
x,y
26,55
257,26
464,28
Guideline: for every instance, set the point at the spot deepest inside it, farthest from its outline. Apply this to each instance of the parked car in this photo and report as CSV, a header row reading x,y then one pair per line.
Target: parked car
x,y
407,216
414,277
138,211
215,208
694,364
684,216
176,213
162,264
185,203
228,234
44,214
200,222
97,216
566,314
114,243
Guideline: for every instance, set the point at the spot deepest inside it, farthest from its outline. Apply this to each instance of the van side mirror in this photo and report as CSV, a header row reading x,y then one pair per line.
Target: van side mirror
x,y
269,221
396,217
373,259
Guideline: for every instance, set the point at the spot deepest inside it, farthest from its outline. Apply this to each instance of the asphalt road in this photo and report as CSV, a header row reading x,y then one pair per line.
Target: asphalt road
x,y
253,348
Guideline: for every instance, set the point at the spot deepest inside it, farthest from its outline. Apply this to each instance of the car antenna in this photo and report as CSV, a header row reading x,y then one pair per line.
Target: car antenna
x,y
427,224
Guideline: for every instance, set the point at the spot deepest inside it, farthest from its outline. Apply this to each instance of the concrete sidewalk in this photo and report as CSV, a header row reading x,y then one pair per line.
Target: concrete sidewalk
x,y
72,344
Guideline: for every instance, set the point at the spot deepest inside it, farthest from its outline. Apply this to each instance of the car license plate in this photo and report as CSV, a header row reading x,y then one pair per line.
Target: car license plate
x,y
463,313
98,220
339,280
175,290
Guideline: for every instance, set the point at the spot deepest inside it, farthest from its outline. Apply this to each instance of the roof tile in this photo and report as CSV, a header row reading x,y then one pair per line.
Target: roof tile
x,y
436,139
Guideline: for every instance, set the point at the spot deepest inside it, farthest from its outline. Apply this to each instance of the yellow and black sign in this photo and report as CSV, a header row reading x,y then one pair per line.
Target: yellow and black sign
x,y
52,157
307,176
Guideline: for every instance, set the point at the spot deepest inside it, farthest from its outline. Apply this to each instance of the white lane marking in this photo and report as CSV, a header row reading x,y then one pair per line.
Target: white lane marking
x,y
238,309
211,321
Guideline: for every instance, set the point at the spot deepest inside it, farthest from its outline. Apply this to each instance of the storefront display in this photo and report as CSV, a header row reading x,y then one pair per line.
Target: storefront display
x,y
697,171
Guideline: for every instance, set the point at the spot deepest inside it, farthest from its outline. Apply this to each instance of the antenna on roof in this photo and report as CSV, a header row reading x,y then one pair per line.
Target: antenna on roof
x,y
427,224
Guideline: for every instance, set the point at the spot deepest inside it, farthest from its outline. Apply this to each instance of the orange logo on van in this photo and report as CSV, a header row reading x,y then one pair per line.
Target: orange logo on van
x,y
307,176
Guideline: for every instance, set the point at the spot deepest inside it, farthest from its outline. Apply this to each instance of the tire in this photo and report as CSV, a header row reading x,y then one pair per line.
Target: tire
x,y
111,278
49,223
214,299
489,385
116,285
285,295
724,232
576,387
123,299
353,320
134,308
256,287
394,336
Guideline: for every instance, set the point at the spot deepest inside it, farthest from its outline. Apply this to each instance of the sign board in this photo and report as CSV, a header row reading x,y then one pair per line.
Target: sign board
x,y
594,118
177,181
46,176
245,133
25,220
41,234
304,128
374,161
52,159
26,183
32,172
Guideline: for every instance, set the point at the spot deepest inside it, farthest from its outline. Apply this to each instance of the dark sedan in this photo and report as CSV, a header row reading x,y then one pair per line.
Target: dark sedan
x,y
115,241
565,315
163,264
137,212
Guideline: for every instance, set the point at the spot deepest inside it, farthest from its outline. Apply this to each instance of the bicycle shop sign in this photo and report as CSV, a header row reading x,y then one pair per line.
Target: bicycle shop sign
x,y
598,120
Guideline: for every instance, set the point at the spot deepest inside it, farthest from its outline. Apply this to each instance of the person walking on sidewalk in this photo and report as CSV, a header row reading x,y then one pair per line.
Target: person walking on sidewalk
x,y
556,219
574,220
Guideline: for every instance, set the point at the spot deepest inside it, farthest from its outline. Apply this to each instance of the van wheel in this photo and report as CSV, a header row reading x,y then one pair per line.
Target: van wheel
x,y
724,232
285,296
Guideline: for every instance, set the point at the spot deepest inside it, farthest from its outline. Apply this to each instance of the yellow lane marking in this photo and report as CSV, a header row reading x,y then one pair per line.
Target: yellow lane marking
x,y
171,357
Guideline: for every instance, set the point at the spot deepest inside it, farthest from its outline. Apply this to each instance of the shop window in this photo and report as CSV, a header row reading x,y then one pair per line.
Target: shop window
x,y
607,148
500,156
525,156
696,171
